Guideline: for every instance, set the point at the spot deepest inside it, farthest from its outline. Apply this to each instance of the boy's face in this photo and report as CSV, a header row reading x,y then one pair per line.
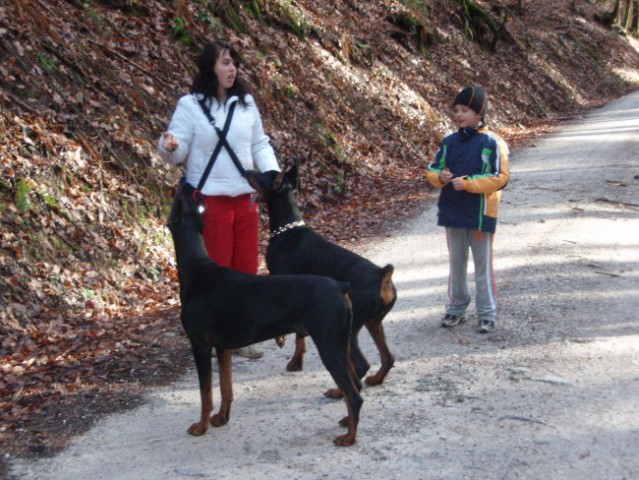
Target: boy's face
x,y
466,117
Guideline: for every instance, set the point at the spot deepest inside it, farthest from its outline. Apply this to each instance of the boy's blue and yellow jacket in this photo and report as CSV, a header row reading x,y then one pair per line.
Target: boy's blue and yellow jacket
x,y
481,157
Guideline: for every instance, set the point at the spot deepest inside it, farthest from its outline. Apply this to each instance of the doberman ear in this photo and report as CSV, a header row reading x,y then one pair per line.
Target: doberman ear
x,y
255,180
177,206
277,181
190,198
292,177
291,162
188,201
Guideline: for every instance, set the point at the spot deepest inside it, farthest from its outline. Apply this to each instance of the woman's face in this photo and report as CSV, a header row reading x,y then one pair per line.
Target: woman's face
x,y
466,117
225,70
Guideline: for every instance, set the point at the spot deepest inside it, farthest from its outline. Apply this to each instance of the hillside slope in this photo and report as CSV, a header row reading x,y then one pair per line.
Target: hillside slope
x,y
358,91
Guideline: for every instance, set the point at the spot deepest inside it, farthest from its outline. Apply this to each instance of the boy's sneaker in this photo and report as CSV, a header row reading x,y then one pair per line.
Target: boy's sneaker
x,y
452,320
486,326
249,352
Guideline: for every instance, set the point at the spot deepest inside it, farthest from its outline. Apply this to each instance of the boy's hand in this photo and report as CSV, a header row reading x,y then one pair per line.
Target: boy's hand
x,y
446,176
458,183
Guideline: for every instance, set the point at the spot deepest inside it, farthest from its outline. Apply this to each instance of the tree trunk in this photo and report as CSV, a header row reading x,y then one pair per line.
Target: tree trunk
x,y
480,24
630,11
633,18
627,13
620,6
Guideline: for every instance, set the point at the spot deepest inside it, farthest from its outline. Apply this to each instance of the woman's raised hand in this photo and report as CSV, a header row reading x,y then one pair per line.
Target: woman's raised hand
x,y
170,142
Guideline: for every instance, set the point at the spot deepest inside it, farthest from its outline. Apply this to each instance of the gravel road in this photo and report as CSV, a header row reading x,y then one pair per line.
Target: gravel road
x,y
552,393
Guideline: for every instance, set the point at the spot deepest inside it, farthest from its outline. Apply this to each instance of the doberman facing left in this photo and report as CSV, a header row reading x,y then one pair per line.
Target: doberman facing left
x,y
225,309
296,249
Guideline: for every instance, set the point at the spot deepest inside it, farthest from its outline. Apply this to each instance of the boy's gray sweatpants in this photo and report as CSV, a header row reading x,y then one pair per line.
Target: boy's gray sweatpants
x,y
460,241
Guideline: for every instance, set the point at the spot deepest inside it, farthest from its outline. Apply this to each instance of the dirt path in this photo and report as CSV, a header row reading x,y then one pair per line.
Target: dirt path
x,y
552,393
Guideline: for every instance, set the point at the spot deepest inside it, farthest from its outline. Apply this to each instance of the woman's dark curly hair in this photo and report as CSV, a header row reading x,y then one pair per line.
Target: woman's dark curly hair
x,y
205,81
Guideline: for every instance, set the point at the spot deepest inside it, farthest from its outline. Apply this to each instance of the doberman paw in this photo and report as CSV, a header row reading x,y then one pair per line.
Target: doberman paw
x,y
334,393
373,380
344,440
197,429
219,420
295,365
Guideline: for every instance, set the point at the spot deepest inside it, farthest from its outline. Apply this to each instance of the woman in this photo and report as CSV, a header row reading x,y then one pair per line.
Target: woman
x,y
230,218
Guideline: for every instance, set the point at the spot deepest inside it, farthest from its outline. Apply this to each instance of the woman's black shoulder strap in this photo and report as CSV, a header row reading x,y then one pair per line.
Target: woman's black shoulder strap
x,y
220,144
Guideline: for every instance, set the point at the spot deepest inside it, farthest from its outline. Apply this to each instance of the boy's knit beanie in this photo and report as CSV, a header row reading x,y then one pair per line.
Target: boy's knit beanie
x,y
473,97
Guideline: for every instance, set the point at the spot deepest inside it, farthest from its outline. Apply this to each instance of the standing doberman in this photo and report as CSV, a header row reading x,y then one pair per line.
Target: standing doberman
x,y
225,309
296,249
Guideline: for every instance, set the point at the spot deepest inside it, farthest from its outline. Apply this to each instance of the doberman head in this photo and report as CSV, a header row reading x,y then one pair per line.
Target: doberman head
x,y
274,183
187,203
278,191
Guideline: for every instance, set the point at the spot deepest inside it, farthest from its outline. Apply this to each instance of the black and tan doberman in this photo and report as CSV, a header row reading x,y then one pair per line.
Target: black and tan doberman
x,y
294,248
225,310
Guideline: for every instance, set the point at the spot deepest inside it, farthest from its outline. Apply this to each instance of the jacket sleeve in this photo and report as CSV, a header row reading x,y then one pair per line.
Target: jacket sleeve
x,y
181,126
261,149
436,167
496,174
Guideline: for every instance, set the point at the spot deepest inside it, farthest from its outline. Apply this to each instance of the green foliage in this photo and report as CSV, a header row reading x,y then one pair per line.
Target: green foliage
x,y
180,33
48,64
159,238
228,12
363,53
325,138
36,246
291,17
153,273
143,215
254,7
413,26
50,200
421,6
297,23
23,190
467,17
340,153
481,27
91,12
5,188
590,49
326,141
291,91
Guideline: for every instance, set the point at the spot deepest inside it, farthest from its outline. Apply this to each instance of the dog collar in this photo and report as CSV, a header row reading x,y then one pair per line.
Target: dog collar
x,y
288,226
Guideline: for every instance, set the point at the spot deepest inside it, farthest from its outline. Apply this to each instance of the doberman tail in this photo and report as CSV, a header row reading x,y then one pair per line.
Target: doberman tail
x,y
345,287
388,292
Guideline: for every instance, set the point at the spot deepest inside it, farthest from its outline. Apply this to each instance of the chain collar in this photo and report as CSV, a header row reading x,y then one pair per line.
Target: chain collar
x,y
288,226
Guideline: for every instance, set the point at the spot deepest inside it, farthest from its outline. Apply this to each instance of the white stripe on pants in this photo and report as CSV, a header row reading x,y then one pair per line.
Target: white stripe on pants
x,y
460,241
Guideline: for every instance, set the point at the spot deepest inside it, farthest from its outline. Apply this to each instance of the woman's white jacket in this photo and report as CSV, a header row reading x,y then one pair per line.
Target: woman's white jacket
x,y
198,140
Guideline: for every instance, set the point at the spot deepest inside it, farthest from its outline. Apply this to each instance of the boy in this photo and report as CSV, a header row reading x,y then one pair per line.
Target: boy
x,y
471,169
